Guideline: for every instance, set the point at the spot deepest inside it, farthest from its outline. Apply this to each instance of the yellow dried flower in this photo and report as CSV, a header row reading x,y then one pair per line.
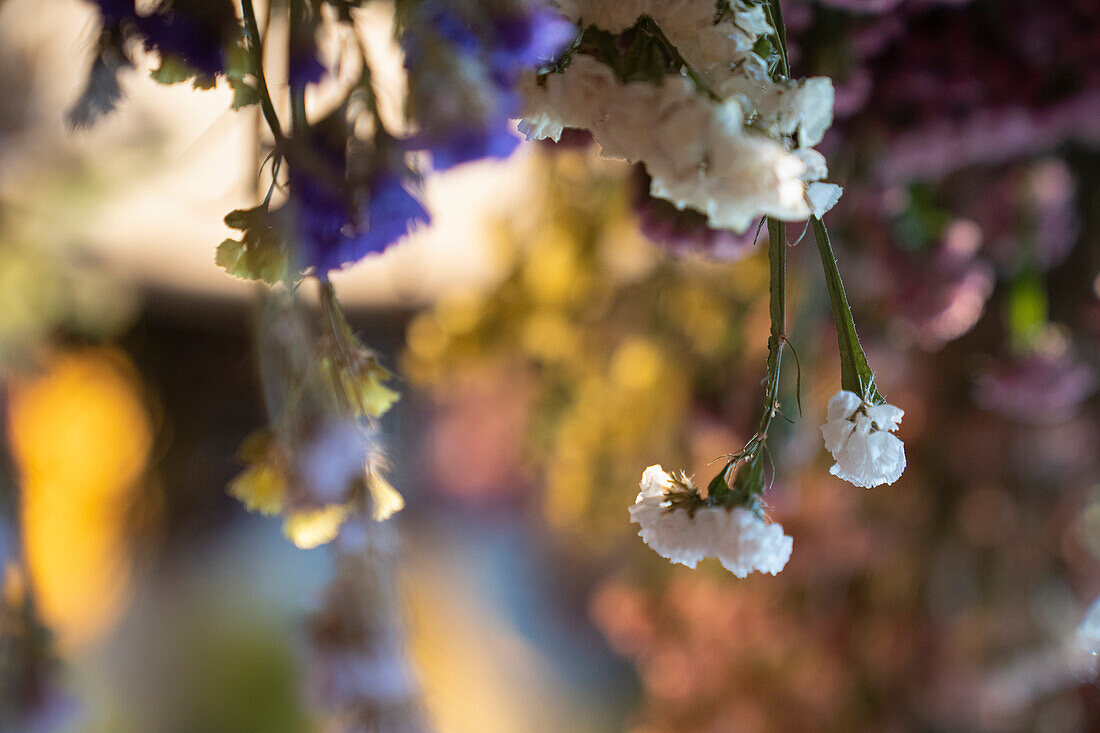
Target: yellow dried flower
x,y
260,488
314,527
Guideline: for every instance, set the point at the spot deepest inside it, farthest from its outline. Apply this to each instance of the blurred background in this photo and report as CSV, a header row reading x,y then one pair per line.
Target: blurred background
x,y
554,333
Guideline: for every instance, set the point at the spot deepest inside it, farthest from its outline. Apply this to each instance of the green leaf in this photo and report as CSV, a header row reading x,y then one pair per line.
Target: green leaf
x,y
261,253
238,62
204,82
172,70
252,263
244,94
748,485
242,219
855,375
719,484
238,66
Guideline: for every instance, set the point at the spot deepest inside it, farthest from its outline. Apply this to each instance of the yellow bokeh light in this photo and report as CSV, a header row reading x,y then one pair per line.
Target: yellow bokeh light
x,y
80,439
637,364
551,272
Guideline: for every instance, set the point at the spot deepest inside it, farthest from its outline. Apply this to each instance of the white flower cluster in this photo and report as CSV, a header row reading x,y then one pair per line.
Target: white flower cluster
x,y
729,157
858,434
741,541
711,48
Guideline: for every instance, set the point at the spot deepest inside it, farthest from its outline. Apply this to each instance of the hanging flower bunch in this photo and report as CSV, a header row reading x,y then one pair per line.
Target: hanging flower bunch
x,y
738,536
322,459
343,185
702,98
700,94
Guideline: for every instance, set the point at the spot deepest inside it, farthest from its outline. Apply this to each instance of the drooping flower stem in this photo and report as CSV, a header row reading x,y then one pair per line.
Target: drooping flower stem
x,y
337,320
749,483
855,375
256,54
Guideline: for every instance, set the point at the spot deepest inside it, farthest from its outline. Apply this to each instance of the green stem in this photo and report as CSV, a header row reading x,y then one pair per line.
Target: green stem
x,y
775,17
855,375
330,307
256,53
777,259
297,91
749,483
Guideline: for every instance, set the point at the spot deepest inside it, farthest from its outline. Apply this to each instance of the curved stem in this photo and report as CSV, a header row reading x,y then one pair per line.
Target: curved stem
x,y
256,53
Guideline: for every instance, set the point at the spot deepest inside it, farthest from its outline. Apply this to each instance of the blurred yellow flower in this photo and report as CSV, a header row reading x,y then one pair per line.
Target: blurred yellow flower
x,y
260,488
315,527
387,500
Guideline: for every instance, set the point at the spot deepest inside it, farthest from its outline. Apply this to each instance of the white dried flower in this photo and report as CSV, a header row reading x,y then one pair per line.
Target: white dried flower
x,y
783,109
821,197
741,540
726,154
710,48
858,434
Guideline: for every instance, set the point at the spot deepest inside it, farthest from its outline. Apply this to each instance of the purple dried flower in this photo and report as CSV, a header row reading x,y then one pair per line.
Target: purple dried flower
x,y
329,460
528,39
360,669
335,220
196,31
303,65
463,70
331,235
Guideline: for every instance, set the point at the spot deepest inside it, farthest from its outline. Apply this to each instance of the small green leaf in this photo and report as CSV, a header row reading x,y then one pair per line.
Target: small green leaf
x,y
238,62
748,485
244,94
238,66
719,484
172,70
204,82
242,219
261,253
251,263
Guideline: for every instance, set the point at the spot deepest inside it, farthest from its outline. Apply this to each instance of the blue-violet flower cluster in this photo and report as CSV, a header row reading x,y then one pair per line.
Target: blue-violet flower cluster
x,y
464,61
